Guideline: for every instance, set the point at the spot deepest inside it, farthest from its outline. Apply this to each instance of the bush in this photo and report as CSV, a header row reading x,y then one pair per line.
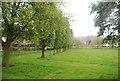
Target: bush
x,y
32,48
50,48
25,48
14,49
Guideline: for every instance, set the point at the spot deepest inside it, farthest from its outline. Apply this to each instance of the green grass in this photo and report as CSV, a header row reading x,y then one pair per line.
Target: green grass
x,y
77,63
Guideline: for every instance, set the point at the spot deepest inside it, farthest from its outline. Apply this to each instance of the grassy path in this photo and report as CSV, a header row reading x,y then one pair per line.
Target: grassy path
x,y
82,63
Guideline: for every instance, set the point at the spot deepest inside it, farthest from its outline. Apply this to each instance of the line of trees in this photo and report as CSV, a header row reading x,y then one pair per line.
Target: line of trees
x,y
41,22
87,41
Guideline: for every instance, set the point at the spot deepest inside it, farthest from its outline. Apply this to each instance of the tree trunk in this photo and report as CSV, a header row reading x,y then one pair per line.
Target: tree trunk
x,y
54,51
43,50
50,52
63,49
6,54
57,50
112,46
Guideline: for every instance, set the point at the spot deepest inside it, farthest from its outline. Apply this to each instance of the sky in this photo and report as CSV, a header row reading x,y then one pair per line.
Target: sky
x,y
83,24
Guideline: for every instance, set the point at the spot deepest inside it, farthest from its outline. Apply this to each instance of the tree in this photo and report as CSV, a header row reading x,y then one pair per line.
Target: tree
x,y
112,40
78,42
64,35
107,18
17,19
96,41
46,23
30,21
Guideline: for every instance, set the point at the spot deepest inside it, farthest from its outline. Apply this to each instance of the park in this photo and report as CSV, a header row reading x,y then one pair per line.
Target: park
x,y
44,40
76,63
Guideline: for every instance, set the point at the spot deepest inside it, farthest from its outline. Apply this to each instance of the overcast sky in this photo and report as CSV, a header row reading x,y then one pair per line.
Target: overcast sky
x,y
83,24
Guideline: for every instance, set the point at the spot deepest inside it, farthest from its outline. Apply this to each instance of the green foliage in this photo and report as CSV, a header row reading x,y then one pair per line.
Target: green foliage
x,y
51,26
78,42
107,16
111,39
50,48
33,21
14,49
16,19
96,41
27,49
64,34
82,63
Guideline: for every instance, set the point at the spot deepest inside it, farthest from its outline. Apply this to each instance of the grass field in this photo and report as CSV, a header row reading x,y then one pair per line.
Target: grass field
x,y
76,63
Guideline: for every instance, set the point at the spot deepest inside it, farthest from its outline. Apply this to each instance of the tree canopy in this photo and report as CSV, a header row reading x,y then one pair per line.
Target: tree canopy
x,y
107,19
41,22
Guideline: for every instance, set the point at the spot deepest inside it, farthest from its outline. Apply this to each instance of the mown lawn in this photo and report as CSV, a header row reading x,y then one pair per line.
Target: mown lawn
x,y
77,63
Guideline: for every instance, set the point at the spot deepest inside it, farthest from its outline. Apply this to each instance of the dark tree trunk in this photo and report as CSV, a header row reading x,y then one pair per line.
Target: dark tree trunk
x,y
112,46
43,49
6,54
64,49
54,51
50,52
